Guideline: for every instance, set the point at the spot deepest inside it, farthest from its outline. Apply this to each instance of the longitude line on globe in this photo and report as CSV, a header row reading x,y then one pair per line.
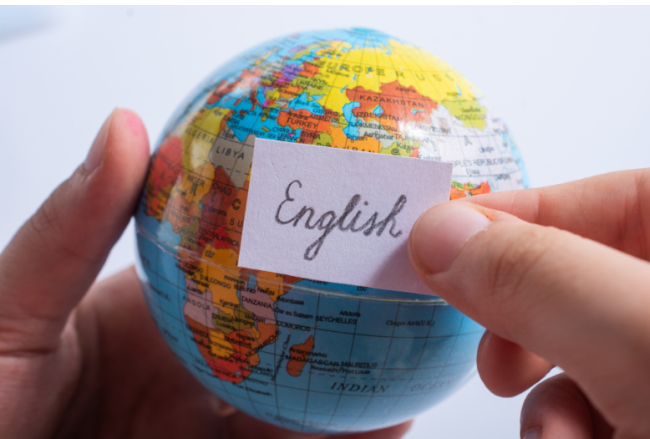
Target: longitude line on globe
x,y
446,363
340,394
417,363
275,372
381,373
304,416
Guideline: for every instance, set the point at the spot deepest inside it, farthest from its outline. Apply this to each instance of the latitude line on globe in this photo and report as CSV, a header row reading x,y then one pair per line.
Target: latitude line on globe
x,y
338,401
372,379
342,332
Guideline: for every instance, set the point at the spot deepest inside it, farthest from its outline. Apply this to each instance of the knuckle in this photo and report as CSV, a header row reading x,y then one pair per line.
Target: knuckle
x,y
46,223
521,260
49,229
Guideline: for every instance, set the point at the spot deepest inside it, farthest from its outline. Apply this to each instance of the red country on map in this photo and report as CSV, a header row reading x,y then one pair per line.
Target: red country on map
x,y
298,356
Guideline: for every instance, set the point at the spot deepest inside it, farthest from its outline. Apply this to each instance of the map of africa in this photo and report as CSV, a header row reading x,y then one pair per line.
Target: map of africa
x,y
303,354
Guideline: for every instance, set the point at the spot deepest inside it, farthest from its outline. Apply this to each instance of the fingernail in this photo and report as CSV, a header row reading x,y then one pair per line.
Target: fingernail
x,y
533,433
96,152
440,232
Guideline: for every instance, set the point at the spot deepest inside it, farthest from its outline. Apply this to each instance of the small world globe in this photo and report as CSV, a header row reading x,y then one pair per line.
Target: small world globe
x,y
298,353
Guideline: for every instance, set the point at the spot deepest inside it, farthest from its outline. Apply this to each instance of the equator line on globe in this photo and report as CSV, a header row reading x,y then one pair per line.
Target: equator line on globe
x,y
302,354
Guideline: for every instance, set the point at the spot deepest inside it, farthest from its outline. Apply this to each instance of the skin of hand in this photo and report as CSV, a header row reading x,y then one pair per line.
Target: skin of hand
x,y
79,359
558,276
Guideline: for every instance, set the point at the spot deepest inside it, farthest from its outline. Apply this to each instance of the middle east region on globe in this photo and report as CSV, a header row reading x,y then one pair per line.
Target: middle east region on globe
x,y
299,353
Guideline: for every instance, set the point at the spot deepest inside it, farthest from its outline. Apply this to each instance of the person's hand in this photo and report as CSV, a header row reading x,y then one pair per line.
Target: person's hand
x,y
561,279
78,360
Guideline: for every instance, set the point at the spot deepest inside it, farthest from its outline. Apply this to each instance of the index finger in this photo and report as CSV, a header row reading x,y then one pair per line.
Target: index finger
x,y
613,209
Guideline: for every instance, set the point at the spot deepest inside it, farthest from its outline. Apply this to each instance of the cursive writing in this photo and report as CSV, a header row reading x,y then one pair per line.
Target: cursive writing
x,y
330,221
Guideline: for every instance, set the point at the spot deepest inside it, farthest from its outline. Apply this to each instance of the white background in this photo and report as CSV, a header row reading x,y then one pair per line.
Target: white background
x,y
573,84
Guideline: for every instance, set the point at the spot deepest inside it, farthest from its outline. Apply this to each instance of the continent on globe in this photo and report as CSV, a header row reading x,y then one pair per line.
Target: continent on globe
x,y
250,336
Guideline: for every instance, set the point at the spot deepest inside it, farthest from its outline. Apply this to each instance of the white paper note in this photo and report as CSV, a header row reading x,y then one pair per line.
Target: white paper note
x,y
337,215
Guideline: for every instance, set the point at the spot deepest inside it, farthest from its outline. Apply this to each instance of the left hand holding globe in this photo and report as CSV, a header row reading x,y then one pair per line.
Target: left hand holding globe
x,y
79,359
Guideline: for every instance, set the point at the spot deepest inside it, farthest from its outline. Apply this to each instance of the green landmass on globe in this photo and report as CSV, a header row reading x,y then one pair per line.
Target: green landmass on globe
x,y
302,354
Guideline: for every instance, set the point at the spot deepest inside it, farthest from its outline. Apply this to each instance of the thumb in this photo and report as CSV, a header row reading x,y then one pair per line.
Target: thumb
x,y
54,258
579,304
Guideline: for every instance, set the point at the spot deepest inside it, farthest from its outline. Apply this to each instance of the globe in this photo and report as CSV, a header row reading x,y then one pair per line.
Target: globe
x,y
299,353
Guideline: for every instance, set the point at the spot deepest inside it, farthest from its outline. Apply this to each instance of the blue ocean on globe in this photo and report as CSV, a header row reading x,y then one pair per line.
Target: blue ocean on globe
x,y
298,353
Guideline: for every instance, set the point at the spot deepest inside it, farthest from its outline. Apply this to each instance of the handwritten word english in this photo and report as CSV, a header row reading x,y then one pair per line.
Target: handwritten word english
x,y
329,221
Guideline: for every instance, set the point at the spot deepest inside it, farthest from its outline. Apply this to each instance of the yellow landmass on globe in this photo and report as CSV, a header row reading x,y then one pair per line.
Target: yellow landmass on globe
x,y
194,185
275,284
342,66
209,274
200,134
219,346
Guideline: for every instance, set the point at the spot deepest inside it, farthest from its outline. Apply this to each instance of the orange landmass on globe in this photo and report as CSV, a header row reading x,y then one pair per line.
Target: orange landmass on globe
x,y
229,362
340,140
268,333
182,215
231,357
287,90
217,238
298,356
400,104
235,334
461,191
247,79
274,284
309,70
312,126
